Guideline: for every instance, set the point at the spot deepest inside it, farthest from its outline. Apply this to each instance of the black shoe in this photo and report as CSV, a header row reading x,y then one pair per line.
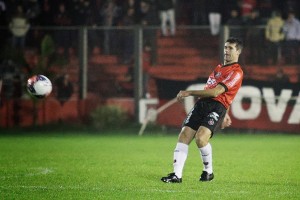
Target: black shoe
x,y
206,176
171,178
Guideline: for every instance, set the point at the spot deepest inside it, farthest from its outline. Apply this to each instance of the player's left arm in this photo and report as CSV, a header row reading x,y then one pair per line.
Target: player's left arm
x,y
227,120
214,92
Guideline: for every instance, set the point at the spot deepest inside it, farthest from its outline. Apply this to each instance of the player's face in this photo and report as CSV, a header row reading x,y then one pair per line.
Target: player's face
x,y
231,54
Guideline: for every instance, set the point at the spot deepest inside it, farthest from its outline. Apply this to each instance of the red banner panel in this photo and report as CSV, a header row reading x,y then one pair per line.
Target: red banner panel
x,y
258,105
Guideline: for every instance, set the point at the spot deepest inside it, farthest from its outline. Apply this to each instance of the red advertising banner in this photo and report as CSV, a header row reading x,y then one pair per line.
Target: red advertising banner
x,y
258,105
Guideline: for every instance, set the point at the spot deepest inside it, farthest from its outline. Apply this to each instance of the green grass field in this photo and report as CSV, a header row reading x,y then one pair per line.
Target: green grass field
x,y
120,165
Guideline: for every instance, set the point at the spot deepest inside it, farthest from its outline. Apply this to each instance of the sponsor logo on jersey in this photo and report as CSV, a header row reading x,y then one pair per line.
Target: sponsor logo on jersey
x,y
218,74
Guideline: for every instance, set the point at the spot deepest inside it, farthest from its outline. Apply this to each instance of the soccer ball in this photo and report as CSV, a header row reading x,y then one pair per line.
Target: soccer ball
x,y
39,86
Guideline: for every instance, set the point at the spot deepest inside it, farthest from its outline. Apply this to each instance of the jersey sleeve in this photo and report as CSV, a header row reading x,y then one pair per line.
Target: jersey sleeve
x,y
233,78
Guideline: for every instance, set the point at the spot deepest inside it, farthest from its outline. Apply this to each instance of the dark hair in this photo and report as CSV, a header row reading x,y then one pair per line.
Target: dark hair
x,y
238,43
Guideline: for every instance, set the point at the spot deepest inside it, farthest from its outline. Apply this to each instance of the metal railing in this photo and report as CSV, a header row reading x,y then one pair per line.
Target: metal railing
x,y
92,55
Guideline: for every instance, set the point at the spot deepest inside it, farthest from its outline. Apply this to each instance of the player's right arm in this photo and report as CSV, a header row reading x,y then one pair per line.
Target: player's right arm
x,y
208,93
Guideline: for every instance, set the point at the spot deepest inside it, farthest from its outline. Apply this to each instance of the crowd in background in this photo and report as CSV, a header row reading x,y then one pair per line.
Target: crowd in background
x,y
279,37
93,12
116,12
282,32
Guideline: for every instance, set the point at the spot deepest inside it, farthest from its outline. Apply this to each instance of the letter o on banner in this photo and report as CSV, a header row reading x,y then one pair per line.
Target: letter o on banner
x,y
237,109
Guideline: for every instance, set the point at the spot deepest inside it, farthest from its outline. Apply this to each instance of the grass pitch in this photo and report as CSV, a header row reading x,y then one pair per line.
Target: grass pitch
x,y
120,165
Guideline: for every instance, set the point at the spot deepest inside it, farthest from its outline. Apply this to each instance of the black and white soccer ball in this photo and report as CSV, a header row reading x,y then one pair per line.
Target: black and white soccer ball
x,y
39,86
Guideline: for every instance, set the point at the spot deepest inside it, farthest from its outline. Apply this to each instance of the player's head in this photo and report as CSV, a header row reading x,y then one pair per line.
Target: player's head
x,y
238,43
232,50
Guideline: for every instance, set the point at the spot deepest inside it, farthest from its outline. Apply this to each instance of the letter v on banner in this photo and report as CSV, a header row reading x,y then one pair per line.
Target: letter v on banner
x,y
276,107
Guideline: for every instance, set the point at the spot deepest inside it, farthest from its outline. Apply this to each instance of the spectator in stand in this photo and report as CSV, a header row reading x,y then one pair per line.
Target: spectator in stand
x,y
81,15
147,62
64,88
3,19
19,27
265,9
33,11
214,15
82,12
247,6
166,10
149,18
274,36
227,7
128,37
110,14
8,70
3,22
148,14
11,7
129,4
46,17
234,19
62,37
291,30
235,24
11,80
199,12
128,83
255,39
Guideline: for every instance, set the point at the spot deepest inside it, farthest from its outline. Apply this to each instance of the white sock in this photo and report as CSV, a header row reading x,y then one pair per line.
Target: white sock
x,y
180,155
206,154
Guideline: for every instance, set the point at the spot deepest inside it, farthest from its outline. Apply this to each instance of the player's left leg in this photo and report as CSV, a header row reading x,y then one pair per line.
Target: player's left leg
x,y
202,140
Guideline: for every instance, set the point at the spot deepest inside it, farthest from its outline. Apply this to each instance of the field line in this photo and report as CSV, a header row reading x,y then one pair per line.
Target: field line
x,y
55,188
37,172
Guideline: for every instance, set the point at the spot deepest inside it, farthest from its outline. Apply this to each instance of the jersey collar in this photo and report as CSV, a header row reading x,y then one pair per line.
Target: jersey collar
x,y
229,64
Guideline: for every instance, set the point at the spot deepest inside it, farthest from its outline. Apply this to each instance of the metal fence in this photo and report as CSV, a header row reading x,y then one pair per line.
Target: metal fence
x,y
108,62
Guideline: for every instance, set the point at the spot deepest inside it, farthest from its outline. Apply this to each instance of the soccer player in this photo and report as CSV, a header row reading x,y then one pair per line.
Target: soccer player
x,y
209,112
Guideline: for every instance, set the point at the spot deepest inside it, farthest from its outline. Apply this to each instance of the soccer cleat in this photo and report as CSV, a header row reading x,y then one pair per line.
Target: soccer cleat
x,y
206,176
171,178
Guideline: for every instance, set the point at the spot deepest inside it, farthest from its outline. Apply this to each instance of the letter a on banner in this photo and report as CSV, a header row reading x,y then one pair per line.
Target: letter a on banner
x,y
276,110
295,115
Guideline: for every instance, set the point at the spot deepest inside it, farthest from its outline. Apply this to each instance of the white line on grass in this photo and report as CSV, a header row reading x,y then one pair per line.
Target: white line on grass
x,y
39,187
37,172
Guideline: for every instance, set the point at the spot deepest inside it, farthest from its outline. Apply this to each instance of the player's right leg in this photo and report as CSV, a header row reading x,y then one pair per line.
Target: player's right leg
x,y
180,154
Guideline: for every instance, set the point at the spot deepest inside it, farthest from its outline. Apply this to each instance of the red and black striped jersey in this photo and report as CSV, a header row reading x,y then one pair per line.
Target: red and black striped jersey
x,y
230,77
